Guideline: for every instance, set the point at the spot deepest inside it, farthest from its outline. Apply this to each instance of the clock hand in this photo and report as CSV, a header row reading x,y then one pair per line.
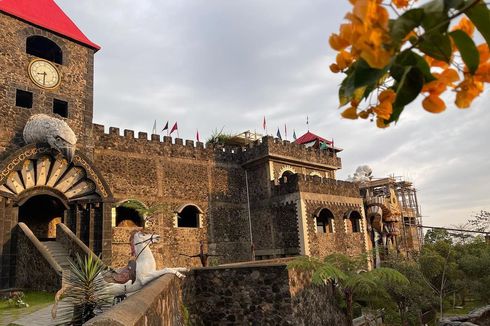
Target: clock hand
x,y
44,76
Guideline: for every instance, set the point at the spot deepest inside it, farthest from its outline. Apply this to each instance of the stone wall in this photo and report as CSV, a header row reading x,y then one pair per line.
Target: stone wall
x,y
158,304
257,294
176,174
76,85
34,270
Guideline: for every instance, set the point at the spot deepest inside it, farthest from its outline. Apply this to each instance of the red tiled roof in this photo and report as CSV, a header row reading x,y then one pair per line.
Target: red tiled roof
x,y
309,137
46,14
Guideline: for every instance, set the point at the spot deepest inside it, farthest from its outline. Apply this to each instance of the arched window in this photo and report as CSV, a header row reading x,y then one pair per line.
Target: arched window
x,y
128,216
287,173
354,221
324,221
42,47
188,216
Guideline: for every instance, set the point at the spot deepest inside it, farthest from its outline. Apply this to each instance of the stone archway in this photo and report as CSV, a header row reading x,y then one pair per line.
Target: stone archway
x,y
37,178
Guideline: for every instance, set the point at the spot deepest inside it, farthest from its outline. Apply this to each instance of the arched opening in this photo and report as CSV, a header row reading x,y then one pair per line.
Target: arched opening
x,y
44,48
324,221
128,217
188,217
41,214
287,173
354,221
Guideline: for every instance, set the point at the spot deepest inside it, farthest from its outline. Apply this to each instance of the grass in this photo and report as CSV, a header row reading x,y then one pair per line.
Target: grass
x,y
469,306
36,301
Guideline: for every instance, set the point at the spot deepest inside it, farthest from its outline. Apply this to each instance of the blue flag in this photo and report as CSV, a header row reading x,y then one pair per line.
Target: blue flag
x,y
166,127
278,134
294,134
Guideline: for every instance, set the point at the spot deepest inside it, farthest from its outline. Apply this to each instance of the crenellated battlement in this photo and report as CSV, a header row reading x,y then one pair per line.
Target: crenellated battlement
x,y
265,147
315,184
284,149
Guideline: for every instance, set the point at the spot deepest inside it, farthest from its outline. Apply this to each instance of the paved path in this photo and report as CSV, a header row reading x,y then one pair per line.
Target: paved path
x,y
41,317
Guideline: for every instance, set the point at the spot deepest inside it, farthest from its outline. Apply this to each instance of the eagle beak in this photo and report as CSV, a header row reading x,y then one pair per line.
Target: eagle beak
x,y
68,152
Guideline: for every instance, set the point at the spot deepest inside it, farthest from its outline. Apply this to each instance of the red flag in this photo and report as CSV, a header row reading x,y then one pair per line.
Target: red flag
x,y
174,128
264,124
197,136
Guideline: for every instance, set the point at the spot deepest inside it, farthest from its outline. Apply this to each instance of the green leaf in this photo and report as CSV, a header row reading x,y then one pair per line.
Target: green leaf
x,y
467,48
405,24
454,4
410,58
359,75
407,90
435,17
437,46
480,17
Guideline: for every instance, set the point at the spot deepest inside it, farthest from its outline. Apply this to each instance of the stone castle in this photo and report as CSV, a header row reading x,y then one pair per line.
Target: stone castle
x,y
255,200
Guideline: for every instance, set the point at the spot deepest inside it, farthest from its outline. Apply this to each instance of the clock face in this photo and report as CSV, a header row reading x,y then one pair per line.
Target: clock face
x,y
44,74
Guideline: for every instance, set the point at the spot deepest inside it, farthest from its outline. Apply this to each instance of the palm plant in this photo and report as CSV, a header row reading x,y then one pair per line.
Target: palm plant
x,y
84,292
348,277
146,212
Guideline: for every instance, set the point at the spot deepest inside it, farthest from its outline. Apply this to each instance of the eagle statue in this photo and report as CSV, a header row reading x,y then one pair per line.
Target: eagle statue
x,y
42,128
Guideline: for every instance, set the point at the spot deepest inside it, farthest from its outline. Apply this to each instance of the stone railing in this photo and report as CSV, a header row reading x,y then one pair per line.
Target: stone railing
x,y
158,303
72,243
35,267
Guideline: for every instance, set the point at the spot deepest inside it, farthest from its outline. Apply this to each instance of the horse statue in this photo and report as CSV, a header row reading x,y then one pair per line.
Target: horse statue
x,y
140,270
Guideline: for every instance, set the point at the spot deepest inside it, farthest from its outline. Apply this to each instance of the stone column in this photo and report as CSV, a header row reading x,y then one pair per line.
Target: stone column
x,y
107,233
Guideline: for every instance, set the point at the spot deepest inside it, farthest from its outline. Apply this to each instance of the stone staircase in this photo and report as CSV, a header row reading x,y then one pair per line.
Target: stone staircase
x,y
59,253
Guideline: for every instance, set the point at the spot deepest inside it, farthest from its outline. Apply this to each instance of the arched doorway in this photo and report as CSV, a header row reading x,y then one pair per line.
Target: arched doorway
x,y
128,217
39,187
41,214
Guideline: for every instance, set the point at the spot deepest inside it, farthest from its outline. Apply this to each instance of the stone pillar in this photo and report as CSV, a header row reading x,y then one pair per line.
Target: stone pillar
x,y
91,214
3,281
107,233
9,221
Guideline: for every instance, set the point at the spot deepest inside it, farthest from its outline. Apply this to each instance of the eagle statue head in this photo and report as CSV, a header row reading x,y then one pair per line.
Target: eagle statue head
x,y
42,128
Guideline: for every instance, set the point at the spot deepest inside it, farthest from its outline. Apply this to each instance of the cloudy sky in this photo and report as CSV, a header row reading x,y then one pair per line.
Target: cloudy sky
x,y
213,64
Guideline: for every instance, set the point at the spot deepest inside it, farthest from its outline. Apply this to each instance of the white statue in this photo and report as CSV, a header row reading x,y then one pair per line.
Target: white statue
x,y
42,128
140,270
363,174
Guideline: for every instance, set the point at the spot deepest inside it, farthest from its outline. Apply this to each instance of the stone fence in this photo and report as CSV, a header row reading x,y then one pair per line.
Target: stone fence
x,y
159,303
253,294
256,293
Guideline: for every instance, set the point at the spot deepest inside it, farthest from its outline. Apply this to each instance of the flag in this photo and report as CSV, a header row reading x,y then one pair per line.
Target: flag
x,y
264,124
154,130
197,136
174,128
285,132
278,134
166,127
294,134
307,123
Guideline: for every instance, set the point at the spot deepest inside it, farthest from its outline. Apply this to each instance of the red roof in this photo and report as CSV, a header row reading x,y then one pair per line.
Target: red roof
x,y
46,14
309,137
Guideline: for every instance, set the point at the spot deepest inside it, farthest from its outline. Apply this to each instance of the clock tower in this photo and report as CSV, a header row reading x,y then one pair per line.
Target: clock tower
x,y
46,67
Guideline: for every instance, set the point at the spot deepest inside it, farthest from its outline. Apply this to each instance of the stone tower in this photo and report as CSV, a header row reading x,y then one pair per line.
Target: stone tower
x,y
47,67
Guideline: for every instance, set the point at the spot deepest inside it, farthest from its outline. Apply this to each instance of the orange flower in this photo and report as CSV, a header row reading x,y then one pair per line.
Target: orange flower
x,y
334,68
363,114
435,87
484,53
466,26
433,104
483,73
467,91
350,113
435,63
344,59
400,3
380,123
372,50
384,110
337,43
387,95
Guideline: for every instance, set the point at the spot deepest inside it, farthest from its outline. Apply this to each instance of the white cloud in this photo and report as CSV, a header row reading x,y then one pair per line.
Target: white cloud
x,y
216,63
